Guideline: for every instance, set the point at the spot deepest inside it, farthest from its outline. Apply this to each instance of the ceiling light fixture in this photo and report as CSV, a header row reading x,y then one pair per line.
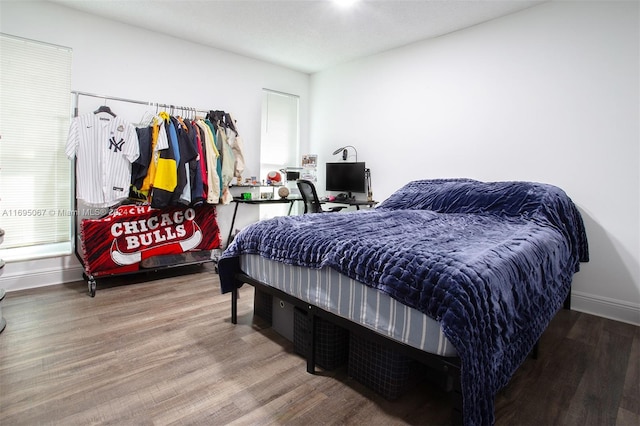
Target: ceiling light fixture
x,y
345,3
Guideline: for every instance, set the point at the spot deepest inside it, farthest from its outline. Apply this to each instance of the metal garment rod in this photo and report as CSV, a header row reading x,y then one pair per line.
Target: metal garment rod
x,y
132,101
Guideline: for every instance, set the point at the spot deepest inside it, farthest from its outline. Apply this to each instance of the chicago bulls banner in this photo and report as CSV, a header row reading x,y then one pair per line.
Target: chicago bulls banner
x,y
118,242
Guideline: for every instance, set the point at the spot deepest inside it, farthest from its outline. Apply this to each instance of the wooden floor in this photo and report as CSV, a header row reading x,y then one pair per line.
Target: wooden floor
x,y
162,351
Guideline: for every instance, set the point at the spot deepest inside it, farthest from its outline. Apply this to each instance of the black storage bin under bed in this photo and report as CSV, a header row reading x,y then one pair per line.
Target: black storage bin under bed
x,y
332,341
383,370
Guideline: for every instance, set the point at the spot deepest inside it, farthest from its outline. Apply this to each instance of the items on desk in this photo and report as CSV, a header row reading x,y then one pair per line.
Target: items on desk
x,y
283,192
291,173
274,178
344,198
266,195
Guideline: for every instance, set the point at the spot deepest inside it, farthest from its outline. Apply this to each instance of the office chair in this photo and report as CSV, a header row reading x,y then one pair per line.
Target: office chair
x,y
310,198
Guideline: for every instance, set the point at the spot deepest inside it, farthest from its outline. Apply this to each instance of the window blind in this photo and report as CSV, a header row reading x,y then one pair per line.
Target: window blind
x,y
280,139
35,175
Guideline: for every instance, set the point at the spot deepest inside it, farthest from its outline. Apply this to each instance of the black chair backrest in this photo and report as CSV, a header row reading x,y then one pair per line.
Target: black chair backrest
x,y
309,196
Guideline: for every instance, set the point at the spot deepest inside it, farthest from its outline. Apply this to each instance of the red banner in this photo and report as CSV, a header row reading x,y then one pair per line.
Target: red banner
x,y
118,242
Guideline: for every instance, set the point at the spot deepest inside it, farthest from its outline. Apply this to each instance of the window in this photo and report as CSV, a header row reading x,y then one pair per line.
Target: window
x,y
35,175
280,141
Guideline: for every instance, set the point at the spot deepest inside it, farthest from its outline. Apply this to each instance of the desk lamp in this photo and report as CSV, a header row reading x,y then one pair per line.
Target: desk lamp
x,y
344,152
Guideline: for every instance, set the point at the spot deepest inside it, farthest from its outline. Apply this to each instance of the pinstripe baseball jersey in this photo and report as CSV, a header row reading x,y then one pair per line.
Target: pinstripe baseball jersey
x,y
105,146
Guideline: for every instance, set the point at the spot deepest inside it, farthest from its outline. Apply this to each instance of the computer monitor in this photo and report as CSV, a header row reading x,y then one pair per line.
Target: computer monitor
x,y
345,177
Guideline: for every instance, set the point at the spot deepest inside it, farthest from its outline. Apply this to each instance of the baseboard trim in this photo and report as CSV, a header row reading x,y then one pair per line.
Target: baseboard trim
x,y
25,275
606,307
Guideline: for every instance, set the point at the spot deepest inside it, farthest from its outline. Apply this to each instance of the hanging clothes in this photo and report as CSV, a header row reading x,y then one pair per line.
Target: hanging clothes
x,y
140,167
159,142
185,162
212,155
218,147
166,178
203,158
104,146
236,143
228,164
195,166
187,153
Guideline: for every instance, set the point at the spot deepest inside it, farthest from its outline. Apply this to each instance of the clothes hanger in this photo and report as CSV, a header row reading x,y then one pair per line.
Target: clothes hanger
x,y
104,108
147,119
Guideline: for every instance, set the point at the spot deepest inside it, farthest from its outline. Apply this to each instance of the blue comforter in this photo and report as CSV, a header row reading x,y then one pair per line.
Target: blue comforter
x,y
492,262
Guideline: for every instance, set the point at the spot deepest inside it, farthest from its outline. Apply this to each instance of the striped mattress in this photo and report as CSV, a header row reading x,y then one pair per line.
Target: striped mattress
x,y
336,293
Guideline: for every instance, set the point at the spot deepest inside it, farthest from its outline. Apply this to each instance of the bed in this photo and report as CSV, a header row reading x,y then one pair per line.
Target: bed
x,y
480,268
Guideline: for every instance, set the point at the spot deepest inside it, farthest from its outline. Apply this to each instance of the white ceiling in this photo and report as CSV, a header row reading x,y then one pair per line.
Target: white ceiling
x,y
305,35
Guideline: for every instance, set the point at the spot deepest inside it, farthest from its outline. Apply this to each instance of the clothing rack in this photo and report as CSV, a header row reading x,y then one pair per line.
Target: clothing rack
x,y
77,95
159,262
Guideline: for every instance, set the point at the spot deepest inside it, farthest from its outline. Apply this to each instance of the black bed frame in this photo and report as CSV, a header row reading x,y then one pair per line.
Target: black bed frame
x,y
447,365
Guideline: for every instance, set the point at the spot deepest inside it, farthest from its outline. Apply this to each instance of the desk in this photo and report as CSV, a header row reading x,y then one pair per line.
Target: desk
x,y
356,203
290,200
359,203
259,201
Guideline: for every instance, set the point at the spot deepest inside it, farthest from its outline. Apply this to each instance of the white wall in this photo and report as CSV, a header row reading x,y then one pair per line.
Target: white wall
x,y
119,60
550,94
